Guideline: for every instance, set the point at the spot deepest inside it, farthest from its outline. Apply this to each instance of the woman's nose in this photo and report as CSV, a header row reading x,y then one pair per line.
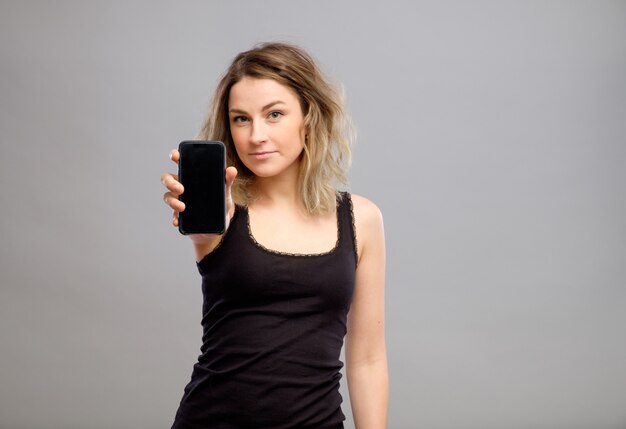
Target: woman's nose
x,y
258,133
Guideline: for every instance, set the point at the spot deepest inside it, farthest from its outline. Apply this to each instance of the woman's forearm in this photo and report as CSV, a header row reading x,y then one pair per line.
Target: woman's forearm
x,y
368,384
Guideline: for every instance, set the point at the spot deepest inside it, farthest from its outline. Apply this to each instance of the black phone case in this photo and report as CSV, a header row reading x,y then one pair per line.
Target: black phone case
x,y
201,171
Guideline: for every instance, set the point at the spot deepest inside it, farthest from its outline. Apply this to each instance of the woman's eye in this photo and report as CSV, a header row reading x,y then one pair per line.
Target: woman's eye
x,y
240,119
275,115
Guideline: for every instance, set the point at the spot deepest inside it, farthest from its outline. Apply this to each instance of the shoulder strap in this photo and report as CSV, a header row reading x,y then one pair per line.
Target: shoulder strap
x,y
346,216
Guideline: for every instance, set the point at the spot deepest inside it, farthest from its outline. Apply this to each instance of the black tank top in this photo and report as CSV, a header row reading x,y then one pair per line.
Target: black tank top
x,y
273,327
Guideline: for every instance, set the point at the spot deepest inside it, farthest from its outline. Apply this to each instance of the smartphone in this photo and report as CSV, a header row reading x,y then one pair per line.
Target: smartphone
x,y
202,172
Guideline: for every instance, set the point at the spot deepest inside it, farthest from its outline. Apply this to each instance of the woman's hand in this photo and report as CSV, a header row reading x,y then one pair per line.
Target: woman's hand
x,y
203,242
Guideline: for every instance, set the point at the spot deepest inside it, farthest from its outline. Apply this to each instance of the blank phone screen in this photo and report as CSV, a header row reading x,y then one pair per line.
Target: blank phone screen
x,y
201,171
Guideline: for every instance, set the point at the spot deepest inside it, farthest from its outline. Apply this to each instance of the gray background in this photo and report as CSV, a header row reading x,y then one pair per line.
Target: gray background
x,y
492,136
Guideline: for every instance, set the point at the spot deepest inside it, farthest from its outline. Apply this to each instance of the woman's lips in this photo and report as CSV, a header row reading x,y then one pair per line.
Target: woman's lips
x,y
262,155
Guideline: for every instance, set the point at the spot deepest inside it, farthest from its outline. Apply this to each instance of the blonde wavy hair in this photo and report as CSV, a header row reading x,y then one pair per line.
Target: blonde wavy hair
x,y
328,129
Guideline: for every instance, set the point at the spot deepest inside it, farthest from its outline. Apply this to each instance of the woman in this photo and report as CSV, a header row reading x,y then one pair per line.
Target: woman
x,y
300,266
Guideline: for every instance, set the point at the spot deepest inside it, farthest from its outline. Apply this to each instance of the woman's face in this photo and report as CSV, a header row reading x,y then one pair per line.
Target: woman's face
x,y
266,125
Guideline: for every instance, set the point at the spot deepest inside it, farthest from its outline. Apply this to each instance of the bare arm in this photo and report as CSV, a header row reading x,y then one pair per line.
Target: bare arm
x,y
366,356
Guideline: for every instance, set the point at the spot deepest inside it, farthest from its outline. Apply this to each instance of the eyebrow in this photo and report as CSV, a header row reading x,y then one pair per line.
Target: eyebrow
x,y
267,106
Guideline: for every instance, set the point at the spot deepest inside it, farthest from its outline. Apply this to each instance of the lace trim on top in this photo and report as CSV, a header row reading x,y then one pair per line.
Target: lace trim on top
x,y
278,252
354,242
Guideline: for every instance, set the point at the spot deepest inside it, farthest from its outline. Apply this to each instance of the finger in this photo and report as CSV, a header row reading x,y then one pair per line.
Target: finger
x,y
170,181
175,219
175,155
173,201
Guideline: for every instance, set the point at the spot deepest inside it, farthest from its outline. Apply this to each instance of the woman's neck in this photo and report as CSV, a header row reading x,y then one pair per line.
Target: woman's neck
x,y
278,191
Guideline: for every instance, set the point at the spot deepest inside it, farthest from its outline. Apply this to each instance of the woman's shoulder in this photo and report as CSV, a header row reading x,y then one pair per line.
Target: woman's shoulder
x,y
368,223
365,209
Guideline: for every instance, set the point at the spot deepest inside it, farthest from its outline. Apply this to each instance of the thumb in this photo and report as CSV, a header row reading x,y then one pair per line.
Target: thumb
x,y
231,173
